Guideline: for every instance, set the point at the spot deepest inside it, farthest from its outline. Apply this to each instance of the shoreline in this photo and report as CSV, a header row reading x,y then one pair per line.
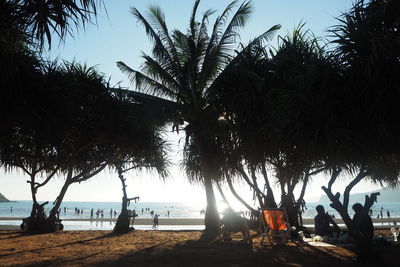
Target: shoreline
x,y
139,221
12,223
188,221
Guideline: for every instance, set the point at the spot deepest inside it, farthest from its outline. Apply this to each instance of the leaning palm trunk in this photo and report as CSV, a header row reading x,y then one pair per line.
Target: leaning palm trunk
x,y
53,222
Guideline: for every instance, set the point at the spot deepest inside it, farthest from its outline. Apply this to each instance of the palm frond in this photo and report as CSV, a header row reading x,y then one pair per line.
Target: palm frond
x,y
145,83
220,44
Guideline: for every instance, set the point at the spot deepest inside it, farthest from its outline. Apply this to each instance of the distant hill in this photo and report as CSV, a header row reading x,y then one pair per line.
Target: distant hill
x,y
3,198
387,195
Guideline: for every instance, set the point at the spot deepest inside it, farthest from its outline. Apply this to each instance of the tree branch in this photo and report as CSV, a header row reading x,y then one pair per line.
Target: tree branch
x,y
47,179
335,173
88,176
238,197
346,195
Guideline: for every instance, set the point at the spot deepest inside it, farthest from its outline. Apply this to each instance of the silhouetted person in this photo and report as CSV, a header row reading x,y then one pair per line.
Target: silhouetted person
x,y
388,214
155,221
91,213
233,222
11,209
115,213
322,222
363,221
65,210
111,213
382,212
168,213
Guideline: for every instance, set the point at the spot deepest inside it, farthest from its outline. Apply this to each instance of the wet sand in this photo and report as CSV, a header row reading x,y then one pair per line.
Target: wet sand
x,y
166,248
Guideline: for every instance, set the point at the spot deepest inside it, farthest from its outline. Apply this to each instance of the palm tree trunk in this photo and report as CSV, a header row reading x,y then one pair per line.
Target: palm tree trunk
x,y
56,207
33,194
211,220
122,225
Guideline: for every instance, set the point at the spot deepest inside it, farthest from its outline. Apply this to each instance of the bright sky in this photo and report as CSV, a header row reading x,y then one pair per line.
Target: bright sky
x,y
119,37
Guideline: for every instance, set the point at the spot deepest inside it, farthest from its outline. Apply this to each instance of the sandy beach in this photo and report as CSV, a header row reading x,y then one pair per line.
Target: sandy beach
x,y
166,248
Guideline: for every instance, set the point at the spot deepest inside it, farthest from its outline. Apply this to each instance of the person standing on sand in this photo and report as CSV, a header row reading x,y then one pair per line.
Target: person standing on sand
x,y
388,214
91,213
155,221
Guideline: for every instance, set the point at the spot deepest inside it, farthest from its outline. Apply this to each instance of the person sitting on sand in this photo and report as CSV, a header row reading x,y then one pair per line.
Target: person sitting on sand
x,y
233,222
363,221
322,223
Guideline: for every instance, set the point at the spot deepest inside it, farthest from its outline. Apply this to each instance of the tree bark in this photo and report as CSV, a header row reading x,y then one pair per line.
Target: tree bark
x,y
123,221
211,220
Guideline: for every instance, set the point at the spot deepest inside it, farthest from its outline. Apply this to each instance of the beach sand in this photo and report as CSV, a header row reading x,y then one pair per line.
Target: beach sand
x,y
171,248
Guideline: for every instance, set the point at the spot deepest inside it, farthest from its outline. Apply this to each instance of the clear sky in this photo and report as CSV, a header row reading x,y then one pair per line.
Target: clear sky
x,y
119,37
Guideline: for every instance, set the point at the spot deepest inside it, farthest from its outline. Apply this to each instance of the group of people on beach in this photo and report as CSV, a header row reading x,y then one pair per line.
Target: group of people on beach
x,y
323,222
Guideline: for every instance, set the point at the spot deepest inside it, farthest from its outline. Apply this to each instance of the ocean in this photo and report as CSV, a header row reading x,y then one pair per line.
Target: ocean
x,y
22,208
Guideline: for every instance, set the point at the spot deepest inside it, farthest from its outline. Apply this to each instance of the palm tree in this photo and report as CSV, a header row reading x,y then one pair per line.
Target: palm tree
x,y
37,20
262,96
25,26
183,68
